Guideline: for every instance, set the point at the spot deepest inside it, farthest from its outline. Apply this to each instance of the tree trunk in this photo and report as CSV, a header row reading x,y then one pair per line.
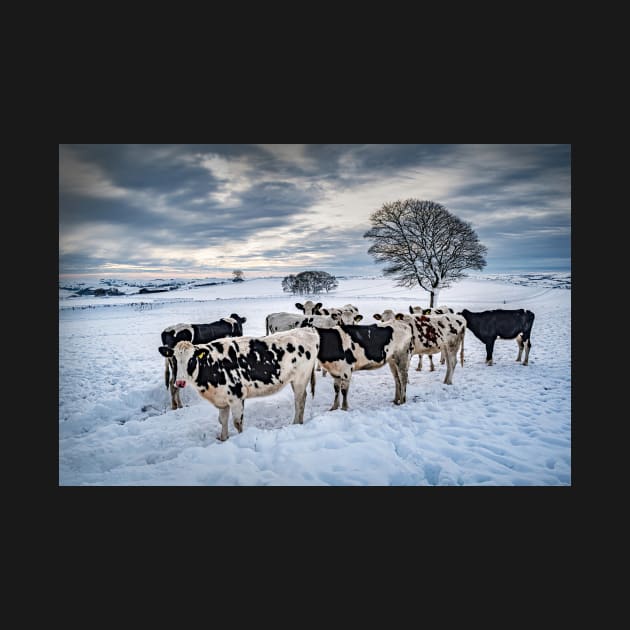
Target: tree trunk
x,y
435,292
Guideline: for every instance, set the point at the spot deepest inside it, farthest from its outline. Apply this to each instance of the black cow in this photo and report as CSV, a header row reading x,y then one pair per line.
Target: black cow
x,y
231,326
487,326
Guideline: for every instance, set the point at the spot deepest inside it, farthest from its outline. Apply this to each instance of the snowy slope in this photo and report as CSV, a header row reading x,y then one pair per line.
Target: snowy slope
x,y
501,425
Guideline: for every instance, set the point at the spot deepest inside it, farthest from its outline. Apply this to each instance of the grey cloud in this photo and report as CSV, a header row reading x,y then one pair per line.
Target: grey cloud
x,y
163,197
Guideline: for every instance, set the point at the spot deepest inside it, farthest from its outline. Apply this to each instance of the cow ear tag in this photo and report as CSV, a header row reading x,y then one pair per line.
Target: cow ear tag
x,y
201,355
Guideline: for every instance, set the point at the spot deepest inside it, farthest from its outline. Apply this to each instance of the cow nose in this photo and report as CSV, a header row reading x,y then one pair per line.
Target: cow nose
x,y
180,383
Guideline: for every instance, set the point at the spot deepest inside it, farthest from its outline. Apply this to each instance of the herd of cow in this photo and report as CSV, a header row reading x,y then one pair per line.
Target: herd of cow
x,y
226,367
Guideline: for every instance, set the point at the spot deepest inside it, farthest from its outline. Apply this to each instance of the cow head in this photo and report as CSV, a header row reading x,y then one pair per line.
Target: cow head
x,y
238,318
309,308
386,316
346,317
173,334
185,359
238,326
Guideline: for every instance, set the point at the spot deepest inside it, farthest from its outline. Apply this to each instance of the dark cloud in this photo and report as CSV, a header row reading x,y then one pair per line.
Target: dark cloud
x,y
124,204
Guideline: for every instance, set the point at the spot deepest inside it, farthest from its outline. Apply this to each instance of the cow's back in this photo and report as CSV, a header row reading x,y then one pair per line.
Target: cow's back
x,y
258,366
502,323
362,347
509,323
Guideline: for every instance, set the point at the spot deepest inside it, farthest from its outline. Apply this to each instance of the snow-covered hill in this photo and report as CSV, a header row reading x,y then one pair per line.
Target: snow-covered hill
x,y
501,425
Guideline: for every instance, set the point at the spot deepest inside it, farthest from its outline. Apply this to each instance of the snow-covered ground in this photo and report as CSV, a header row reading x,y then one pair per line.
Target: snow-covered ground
x,y
501,425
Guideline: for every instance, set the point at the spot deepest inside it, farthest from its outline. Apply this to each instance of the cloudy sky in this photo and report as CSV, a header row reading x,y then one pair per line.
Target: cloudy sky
x,y
198,210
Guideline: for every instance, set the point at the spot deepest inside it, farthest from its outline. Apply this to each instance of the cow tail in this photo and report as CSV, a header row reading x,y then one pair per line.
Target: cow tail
x,y
313,382
167,376
461,354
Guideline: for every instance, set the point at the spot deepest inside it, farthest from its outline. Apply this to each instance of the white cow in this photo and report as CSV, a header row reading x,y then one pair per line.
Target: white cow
x,y
440,310
276,322
435,333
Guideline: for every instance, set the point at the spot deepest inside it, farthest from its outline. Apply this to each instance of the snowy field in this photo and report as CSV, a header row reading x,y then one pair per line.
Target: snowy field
x,y
506,424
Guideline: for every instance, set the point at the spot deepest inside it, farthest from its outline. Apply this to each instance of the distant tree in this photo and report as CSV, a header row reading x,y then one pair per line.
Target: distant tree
x,y
423,243
323,280
289,284
238,276
309,283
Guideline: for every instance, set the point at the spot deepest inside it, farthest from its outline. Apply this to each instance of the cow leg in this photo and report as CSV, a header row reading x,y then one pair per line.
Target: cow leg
x,y
176,402
401,364
395,373
224,414
419,368
299,393
403,369
431,362
442,358
169,378
451,361
528,346
489,349
519,341
236,406
345,386
337,386
167,374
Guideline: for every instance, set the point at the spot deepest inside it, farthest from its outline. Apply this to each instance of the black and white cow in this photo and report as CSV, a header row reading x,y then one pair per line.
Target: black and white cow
x,y
227,371
440,310
309,308
345,349
488,326
276,322
435,333
231,326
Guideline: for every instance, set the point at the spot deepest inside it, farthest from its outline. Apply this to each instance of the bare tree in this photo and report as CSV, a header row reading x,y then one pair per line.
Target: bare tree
x,y
238,276
423,243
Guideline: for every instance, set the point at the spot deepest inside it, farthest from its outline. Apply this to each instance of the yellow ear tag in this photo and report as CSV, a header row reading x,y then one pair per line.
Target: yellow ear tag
x,y
202,355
